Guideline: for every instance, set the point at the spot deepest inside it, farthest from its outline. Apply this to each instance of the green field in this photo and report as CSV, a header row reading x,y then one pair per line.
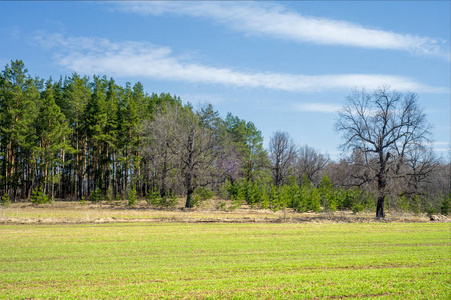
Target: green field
x,y
217,261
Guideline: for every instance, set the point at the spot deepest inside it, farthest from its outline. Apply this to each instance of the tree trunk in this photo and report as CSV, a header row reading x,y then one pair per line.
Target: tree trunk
x,y
380,213
163,174
381,184
189,198
189,190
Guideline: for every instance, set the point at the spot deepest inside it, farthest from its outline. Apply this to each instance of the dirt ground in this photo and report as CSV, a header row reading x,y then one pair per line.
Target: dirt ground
x,y
74,212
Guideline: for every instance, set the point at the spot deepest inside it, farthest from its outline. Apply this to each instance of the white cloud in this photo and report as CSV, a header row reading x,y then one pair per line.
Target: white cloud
x,y
317,107
441,143
88,55
204,98
275,21
441,146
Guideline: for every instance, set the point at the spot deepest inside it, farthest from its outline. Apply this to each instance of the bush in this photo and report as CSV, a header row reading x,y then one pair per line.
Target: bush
x,y
109,194
153,197
223,191
327,193
232,190
203,193
346,198
5,201
132,197
222,206
445,208
403,203
170,201
274,196
253,194
38,197
237,203
415,204
96,196
357,208
264,200
315,200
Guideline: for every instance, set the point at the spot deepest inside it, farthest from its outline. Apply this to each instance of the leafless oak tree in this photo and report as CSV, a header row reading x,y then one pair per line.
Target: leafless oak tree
x,y
309,162
189,140
282,153
384,126
156,149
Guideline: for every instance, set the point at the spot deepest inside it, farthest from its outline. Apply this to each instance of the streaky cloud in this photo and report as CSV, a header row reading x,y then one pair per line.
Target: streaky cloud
x,y
276,21
91,55
317,107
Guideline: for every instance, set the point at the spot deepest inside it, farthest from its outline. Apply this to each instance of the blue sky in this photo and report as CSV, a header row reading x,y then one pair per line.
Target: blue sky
x,y
283,65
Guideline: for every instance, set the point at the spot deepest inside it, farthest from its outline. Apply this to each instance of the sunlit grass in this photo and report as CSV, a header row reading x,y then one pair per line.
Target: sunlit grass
x,y
217,261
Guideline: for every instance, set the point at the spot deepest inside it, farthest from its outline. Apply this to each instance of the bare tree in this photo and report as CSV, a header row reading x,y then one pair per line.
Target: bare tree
x,y
190,142
156,148
383,126
352,171
282,153
310,163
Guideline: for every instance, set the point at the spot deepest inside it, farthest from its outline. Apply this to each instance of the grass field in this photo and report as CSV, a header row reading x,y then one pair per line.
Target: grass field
x,y
217,261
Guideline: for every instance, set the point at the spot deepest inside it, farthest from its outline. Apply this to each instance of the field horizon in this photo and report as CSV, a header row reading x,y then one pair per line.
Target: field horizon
x,y
210,211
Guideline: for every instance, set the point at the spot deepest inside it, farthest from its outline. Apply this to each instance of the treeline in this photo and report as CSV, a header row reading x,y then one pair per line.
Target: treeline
x,y
73,136
82,138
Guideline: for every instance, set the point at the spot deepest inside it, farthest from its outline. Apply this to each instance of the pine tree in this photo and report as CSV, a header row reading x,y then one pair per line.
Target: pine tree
x,y
76,95
327,192
51,132
95,116
18,94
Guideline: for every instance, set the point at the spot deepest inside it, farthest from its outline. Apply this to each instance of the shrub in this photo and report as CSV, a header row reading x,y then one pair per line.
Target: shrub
x,y
264,200
232,190
404,203
357,208
303,199
223,192
315,200
153,197
445,208
96,195
170,201
237,203
253,194
275,198
203,193
38,197
415,204
327,192
132,197
5,201
298,202
345,198
221,205
109,194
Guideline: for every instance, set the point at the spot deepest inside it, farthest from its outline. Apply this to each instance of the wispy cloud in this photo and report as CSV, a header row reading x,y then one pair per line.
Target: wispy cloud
x,y
317,107
441,146
204,98
88,55
276,21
